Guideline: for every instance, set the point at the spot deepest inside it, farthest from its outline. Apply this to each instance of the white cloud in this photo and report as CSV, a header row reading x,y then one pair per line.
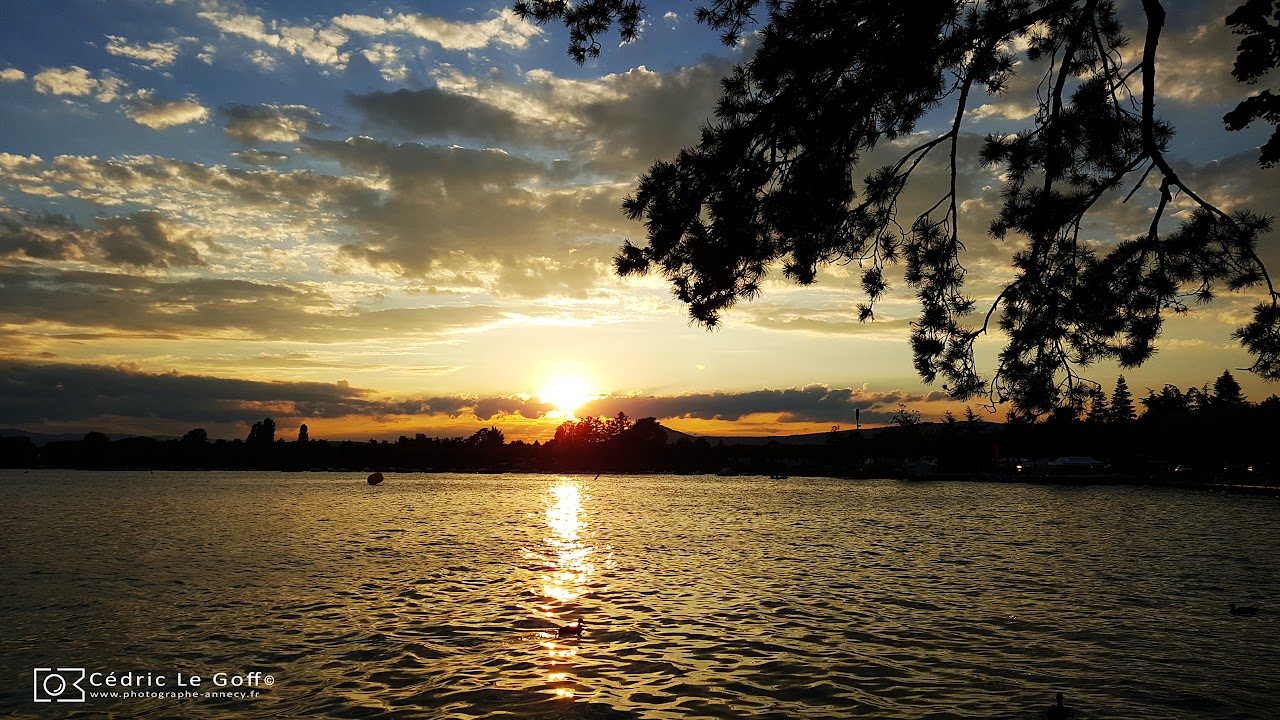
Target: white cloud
x,y
253,124
316,45
262,59
504,29
387,57
1004,111
154,54
76,81
12,75
146,109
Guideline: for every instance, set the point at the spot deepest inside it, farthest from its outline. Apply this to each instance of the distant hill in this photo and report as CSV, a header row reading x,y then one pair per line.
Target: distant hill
x,y
672,436
42,438
804,439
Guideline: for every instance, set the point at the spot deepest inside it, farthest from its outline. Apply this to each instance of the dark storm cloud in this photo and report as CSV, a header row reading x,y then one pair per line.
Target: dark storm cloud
x,y
490,408
655,115
210,307
445,199
143,239
618,124
253,124
814,403
38,236
34,393
431,112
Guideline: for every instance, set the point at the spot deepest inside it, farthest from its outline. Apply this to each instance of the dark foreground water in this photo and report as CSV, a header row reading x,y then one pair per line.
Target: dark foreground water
x,y
436,596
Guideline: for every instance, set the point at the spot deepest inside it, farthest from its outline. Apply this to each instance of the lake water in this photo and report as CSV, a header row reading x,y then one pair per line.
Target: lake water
x,y
437,596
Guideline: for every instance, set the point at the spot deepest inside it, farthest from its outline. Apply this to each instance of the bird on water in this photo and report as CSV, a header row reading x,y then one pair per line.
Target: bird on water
x,y
1243,610
573,629
1058,711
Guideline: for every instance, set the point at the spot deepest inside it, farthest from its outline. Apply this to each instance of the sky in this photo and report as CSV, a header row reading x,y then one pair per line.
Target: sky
x,y
381,219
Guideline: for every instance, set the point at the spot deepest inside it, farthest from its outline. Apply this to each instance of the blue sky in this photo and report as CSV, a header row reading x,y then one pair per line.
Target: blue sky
x,y
393,218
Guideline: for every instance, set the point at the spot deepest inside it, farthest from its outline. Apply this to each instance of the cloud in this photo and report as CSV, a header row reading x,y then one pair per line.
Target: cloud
x,y
619,123
263,59
812,403
145,108
1007,110
76,81
431,112
440,199
37,393
324,44
260,157
1195,56
145,239
38,236
12,75
47,299
273,218
252,124
504,29
539,277
389,58
827,322
154,55
317,45
33,393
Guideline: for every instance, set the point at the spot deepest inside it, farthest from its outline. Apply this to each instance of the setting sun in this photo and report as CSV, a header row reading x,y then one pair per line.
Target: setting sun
x,y
566,392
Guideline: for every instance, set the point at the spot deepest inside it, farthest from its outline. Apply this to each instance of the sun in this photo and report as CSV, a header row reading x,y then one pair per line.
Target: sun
x,y
566,392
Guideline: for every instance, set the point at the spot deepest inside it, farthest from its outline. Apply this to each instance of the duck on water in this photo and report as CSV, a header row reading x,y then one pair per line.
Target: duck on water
x,y
1058,711
573,629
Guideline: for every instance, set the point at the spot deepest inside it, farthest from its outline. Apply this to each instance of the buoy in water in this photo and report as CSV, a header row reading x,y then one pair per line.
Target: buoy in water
x,y
375,478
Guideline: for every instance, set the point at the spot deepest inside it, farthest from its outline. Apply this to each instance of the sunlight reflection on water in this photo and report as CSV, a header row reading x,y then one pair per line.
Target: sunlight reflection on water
x,y
567,558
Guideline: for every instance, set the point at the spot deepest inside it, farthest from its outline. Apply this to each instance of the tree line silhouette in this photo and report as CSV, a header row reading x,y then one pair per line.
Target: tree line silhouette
x,y
1210,433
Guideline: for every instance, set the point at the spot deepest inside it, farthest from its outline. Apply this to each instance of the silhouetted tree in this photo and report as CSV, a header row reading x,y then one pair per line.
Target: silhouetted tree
x,y
303,435
1121,409
645,440
1258,54
1099,411
905,417
489,437
616,425
776,180
586,431
1170,402
648,431
16,452
198,436
262,434
1227,390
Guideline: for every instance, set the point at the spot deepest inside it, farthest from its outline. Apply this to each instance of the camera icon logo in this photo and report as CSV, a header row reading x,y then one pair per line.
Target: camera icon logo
x,y
58,685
